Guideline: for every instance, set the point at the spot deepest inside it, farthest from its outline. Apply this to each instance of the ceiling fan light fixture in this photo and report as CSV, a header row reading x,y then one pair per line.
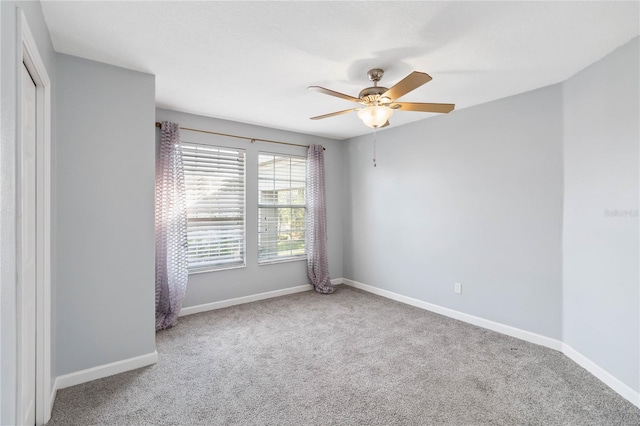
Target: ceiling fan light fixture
x,y
375,116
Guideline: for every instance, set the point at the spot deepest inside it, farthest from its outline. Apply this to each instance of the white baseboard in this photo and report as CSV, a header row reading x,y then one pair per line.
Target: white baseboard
x,y
101,371
608,379
190,310
605,377
240,300
52,399
471,319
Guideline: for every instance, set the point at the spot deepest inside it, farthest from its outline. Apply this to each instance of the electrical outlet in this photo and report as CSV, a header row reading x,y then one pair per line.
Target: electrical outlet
x,y
457,287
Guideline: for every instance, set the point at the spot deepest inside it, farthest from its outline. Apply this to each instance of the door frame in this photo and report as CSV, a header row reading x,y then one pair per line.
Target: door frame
x,y
27,53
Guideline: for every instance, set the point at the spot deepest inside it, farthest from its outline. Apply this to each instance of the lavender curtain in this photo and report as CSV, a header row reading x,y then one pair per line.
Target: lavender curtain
x,y
316,234
171,228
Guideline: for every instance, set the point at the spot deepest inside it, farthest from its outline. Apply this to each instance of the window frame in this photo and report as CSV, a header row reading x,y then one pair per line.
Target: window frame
x,y
283,259
228,265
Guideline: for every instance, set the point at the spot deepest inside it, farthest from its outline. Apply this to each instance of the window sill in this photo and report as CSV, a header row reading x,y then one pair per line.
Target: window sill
x,y
286,260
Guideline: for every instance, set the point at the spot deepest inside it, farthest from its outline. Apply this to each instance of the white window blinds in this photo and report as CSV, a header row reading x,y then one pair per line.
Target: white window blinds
x,y
215,189
281,207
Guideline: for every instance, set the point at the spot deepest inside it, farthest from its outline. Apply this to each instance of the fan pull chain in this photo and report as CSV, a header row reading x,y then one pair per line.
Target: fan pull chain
x,y
375,133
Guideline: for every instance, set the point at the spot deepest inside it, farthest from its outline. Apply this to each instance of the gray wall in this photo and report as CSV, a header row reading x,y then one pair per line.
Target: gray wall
x,y
8,102
473,197
105,245
221,285
601,134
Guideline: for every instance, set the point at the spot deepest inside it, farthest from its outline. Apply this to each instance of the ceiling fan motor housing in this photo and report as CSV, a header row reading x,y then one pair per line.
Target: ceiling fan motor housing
x,y
372,95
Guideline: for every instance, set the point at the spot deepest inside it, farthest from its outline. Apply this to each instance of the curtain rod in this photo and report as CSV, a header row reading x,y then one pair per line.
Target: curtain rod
x,y
158,124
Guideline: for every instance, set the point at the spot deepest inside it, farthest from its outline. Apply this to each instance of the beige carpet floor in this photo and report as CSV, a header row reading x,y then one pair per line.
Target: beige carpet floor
x,y
350,358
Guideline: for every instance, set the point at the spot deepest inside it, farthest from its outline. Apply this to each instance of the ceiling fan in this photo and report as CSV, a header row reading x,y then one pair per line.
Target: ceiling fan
x,y
380,102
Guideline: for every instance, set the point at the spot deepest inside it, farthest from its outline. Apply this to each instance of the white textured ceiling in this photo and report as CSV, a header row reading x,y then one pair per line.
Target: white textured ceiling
x,y
252,61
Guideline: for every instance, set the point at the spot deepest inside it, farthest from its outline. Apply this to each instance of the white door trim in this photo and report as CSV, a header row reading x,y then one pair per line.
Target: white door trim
x,y
27,52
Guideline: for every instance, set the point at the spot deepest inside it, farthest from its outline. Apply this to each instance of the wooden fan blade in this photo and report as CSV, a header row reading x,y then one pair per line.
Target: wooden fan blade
x,y
407,84
320,117
415,106
334,93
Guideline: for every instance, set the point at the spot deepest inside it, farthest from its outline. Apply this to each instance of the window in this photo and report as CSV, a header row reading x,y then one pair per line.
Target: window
x,y
215,191
281,207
